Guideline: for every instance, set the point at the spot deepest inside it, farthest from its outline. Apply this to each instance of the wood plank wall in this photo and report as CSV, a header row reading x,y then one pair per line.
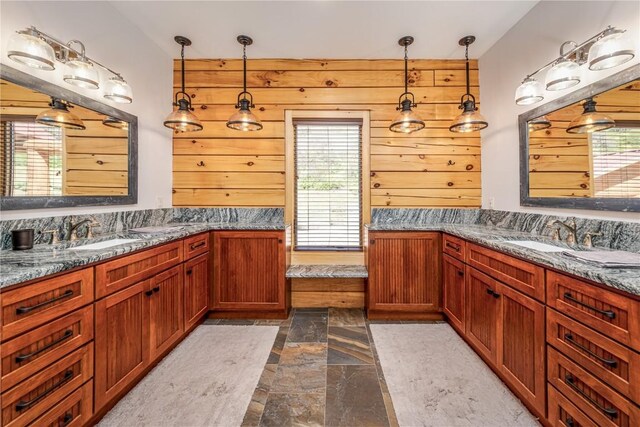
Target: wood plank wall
x,y
560,163
95,160
222,167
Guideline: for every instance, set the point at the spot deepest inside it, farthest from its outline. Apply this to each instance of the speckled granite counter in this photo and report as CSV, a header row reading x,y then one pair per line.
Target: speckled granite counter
x,y
327,271
43,260
626,279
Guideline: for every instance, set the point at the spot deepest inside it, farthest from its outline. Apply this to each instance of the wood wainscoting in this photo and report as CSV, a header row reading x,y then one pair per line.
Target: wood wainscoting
x,y
222,167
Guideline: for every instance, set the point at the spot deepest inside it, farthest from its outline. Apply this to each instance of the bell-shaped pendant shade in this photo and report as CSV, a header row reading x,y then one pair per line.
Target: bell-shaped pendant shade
x,y
112,122
244,120
539,123
80,72
31,50
469,121
614,49
529,92
117,90
590,120
563,75
183,120
407,121
60,116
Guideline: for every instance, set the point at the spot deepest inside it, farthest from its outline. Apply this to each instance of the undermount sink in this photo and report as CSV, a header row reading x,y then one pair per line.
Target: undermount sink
x,y
103,245
536,246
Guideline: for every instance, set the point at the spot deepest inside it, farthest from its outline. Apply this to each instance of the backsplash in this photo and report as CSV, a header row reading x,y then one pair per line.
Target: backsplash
x,y
617,235
114,222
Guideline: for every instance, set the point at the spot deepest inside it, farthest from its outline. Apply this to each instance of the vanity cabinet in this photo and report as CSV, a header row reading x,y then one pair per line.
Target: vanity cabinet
x,y
404,275
166,311
249,274
482,314
453,291
196,289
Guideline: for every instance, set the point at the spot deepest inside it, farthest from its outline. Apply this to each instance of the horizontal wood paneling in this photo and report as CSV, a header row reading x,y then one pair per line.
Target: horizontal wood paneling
x,y
222,167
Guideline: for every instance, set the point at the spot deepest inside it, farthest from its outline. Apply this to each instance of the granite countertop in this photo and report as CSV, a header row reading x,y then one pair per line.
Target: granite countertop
x,y
625,279
327,271
43,260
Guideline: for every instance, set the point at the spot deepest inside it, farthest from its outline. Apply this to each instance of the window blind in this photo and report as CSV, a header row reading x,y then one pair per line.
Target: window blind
x,y
616,161
328,201
31,159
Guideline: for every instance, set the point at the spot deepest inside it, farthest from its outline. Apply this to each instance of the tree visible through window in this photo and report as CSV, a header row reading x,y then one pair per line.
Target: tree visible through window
x,y
328,205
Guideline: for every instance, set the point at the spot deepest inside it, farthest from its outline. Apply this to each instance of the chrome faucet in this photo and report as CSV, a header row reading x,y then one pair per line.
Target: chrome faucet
x,y
73,228
570,226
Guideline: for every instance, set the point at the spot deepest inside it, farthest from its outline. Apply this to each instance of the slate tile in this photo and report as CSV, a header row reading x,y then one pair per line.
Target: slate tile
x,y
294,410
349,346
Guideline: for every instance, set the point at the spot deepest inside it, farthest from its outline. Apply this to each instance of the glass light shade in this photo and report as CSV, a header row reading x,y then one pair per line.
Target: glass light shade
x,y
610,51
590,120
81,73
117,90
539,123
406,122
183,120
563,75
529,92
31,50
468,121
60,116
112,122
244,120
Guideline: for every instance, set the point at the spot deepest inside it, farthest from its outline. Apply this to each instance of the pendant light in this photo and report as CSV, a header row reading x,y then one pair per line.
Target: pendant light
x,y
112,122
470,120
182,119
26,47
407,121
117,90
539,123
612,49
79,71
529,92
60,116
590,120
243,119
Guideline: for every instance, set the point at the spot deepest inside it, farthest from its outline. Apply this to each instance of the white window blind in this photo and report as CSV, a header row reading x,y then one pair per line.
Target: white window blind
x,y
328,202
31,159
616,161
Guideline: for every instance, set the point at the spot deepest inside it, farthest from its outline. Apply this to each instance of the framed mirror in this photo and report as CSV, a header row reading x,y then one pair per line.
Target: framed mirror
x,y
63,149
582,151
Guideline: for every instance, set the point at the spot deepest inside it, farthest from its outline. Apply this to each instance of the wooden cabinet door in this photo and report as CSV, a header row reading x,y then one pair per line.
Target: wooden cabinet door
x,y
249,271
196,289
521,344
453,291
404,272
482,313
121,340
165,310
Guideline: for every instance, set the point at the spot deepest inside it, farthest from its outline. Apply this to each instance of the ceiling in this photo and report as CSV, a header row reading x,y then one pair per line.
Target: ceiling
x,y
324,29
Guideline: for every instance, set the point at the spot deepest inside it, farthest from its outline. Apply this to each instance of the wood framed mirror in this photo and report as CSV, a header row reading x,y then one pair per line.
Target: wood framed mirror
x,y
62,149
597,170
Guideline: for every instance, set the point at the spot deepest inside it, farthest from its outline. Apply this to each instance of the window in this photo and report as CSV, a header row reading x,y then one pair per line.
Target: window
x,y
31,158
328,189
616,161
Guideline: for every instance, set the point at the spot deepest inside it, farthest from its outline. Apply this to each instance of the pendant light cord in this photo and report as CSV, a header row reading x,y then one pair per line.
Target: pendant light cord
x,y
182,61
406,71
244,69
466,56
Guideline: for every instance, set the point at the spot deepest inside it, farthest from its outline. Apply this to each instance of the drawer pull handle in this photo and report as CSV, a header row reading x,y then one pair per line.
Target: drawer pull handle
x,y
569,422
609,362
613,413
493,293
453,246
610,314
24,310
67,334
194,246
68,417
22,405
156,289
148,293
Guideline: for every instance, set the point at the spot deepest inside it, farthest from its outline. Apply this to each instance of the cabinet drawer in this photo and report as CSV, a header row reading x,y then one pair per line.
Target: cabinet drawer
x,y
29,400
115,275
453,246
599,402
29,353
74,410
36,304
521,275
563,413
196,245
614,364
613,315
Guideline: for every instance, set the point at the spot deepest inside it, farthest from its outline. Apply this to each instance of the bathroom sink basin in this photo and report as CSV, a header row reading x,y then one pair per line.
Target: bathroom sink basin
x,y
536,246
103,245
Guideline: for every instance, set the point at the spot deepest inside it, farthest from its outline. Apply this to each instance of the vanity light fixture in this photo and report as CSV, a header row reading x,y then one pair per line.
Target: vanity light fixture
x,y
112,122
590,120
39,50
607,49
470,120
407,121
60,116
182,119
539,123
243,119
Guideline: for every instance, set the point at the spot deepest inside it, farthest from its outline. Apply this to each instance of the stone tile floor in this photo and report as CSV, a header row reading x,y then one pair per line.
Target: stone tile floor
x,y
323,370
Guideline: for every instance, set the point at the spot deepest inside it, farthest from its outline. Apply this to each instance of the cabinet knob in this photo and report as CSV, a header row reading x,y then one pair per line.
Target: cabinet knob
x,y
460,273
156,289
189,271
148,293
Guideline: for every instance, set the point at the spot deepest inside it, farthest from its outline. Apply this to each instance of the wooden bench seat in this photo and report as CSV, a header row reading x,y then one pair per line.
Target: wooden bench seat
x,y
327,271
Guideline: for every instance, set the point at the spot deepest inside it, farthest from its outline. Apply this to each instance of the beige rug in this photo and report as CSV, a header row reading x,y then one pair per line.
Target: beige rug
x,y
436,379
208,380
